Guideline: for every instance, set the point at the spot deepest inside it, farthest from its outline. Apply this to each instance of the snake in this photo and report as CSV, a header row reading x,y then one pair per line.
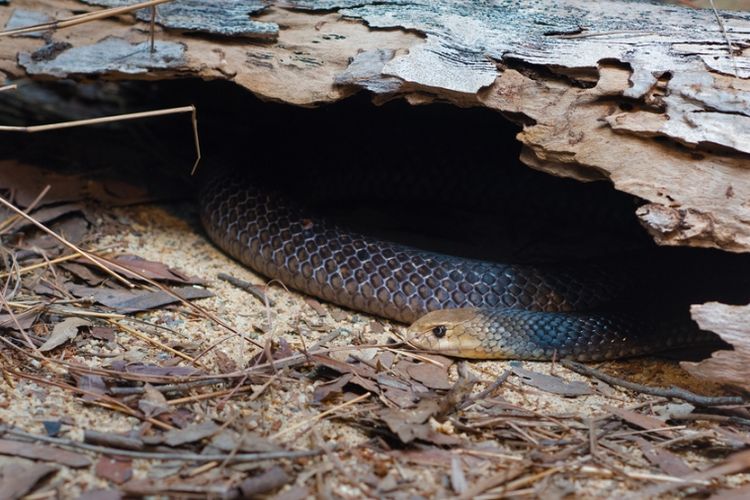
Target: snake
x,y
456,306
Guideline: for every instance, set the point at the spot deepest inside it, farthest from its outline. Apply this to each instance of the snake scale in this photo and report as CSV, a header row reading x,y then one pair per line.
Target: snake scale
x,y
477,309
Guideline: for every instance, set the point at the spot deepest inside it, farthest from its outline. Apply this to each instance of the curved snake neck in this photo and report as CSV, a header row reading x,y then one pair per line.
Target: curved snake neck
x,y
281,240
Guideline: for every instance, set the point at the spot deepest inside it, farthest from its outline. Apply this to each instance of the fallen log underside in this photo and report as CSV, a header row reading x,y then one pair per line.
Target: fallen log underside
x,y
655,99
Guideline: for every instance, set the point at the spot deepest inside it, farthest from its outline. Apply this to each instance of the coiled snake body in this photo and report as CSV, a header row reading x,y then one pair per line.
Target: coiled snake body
x,y
506,310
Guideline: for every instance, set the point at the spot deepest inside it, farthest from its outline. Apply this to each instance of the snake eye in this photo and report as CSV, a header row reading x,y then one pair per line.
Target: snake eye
x,y
439,331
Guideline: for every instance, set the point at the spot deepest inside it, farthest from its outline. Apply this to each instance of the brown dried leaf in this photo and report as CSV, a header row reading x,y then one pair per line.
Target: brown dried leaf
x,y
117,470
249,442
433,376
325,390
92,384
101,495
25,319
103,333
17,480
640,420
190,434
153,402
551,383
224,363
156,271
84,273
130,301
153,370
271,479
62,332
667,461
37,451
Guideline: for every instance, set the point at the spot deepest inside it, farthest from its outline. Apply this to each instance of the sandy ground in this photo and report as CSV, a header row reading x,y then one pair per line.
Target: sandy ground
x,y
171,234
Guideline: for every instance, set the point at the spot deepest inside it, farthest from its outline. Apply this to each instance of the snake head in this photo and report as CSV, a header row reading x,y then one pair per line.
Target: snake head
x,y
447,331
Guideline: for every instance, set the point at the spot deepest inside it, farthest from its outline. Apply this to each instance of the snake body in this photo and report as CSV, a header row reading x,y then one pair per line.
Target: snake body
x,y
533,306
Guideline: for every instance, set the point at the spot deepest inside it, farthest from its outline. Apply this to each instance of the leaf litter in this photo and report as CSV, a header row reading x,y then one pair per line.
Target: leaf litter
x,y
159,396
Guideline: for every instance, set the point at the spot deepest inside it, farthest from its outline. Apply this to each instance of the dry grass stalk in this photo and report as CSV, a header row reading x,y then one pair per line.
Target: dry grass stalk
x,y
82,18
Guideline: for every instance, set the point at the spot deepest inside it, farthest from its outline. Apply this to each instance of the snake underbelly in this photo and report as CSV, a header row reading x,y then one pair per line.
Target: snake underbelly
x,y
277,238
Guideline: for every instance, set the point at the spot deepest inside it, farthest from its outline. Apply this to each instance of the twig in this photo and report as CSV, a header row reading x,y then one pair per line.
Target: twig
x,y
46,263
122,391
65,242
320,416
12,86
146,455
489,390
156,343
253,290
82,18
8,223
723,29
666,392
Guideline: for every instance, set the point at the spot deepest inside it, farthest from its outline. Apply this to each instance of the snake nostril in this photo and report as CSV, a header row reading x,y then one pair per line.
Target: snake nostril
x,y
439,331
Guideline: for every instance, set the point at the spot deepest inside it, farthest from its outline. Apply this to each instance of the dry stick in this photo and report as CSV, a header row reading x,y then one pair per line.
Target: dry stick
x,y
182,300
489,390
191,457
19,327
253,290
666,392
8,223
117,118
320,416
46,263
166,387
65,242
95,121
12,86
156,343
81,18
110,402
723,29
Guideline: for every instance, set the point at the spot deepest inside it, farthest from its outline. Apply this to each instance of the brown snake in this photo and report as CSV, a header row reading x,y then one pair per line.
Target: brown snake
x,y
506,310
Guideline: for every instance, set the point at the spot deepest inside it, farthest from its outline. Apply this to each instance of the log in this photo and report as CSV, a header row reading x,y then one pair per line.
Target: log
x,y
653,98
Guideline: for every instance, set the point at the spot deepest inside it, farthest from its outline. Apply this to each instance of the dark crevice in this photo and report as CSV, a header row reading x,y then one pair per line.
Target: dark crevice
x,y
439,177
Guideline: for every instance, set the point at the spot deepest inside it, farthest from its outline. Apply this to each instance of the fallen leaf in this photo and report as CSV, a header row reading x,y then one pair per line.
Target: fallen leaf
x,y
433,376
62,332
551,383
153,370
325,390
101,495
668,462
130,301
25,319
92,384
639,420
18,480
116,470
271,479
249,442
156,271
153,403
103,333
190,434
38,451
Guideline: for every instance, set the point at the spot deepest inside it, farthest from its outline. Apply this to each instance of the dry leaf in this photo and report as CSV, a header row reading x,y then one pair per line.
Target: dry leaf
x,y
153,403
116,470
551,383
270,480
17,480
38,451
62,332
190,434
